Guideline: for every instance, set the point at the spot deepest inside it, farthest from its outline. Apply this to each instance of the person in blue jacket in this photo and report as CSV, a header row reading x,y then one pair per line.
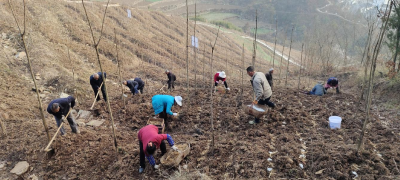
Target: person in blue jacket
x,y
318,90
60,107
95,81
162,105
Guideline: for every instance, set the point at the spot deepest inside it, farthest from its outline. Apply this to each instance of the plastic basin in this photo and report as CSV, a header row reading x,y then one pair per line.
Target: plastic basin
x,y
335,122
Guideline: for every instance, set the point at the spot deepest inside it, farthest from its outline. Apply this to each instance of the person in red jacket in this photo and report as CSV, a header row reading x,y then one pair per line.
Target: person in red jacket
x,y
149,137
220,76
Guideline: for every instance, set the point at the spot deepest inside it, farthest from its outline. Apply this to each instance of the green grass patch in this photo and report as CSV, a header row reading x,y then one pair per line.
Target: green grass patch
x,y
261,31
261,51
217,16
225,24
198,18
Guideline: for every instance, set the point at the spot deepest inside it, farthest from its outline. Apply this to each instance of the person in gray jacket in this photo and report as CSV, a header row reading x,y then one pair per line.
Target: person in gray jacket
x,y
318,90
262,89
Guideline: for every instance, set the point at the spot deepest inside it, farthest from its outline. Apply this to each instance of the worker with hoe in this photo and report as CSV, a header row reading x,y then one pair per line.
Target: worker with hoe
x,y
220,76
162,105
261,88
332,83
96,80
318,90
149,141
60,107
269,77
135,85
171,80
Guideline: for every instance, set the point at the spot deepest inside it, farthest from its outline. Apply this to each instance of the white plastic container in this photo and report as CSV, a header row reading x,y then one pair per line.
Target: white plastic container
x,y
335,122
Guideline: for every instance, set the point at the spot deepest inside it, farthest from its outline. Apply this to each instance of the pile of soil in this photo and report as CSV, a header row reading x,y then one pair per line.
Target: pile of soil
x,y
292,141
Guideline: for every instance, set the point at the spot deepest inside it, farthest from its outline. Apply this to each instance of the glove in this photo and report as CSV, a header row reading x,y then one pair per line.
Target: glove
x,y
175,148
156,166
228,89
175,114
255,102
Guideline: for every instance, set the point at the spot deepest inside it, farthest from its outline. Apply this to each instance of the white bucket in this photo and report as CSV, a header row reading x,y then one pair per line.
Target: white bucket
x,y
335,122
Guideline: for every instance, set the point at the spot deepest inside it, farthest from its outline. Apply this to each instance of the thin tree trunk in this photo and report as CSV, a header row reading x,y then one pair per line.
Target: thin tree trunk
x,y
255,42
242,70
371,80
211,93
22,34
283,53
119,68
276,34
204,54
96,45
301,64
288,63
3,127
187,57
195,48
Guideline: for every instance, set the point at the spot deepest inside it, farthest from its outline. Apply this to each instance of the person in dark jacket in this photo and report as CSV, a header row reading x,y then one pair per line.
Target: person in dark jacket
x,y
171,80
332,83
96,80
318,90
133,86
60,107
140,84
269,77
149,141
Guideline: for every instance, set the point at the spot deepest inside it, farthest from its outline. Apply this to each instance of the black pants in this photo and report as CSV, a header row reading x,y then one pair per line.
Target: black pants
x,y
141,88
265,102
164,115
226,85
163,148
171,84
103,90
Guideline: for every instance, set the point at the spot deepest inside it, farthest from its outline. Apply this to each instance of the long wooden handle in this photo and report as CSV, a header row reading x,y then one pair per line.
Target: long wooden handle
x,y
52,139
98,91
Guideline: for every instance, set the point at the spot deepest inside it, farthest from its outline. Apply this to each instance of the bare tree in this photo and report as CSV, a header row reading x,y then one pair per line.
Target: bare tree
x,y
22,35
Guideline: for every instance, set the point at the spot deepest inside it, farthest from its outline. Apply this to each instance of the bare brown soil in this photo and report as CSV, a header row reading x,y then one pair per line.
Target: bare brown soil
x,y
294,133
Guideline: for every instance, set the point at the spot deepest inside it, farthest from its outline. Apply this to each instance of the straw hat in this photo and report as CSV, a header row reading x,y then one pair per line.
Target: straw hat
x,y
178,100
222,74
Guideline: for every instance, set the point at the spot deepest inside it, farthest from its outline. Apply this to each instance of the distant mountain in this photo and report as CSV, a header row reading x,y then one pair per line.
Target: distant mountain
x,y
362,6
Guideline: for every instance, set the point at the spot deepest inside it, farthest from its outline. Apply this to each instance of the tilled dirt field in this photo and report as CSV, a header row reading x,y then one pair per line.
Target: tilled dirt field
x,y
293,141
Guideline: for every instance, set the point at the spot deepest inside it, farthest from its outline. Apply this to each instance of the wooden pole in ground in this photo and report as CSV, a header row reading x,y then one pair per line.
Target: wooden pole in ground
x,y
119,68
22,35
242,70
195,49
187,57
280,64
96,47
211,93
276,34
288,60
204,54
301,63
255,43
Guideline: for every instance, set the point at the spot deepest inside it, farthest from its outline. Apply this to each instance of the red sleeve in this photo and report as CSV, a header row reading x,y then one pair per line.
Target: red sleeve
x,y
164,136
223,79
216,77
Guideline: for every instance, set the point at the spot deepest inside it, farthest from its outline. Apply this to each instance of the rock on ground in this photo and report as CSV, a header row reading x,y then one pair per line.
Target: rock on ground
x,y
95,123
20,168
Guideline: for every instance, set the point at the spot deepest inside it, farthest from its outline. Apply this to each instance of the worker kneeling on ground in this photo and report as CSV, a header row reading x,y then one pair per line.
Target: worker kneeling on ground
x,y
318,90
332,83
220,76
261,89
162,105
171,80
96,80
135,85
60,107
149,141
